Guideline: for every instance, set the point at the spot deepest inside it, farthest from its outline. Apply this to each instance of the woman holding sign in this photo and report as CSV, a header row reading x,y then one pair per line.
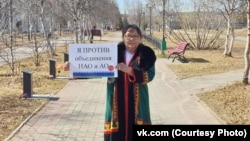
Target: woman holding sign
x,y
127,102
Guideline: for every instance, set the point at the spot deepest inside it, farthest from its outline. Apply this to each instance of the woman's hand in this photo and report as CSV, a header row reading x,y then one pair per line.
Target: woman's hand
x,y
66,66
123,67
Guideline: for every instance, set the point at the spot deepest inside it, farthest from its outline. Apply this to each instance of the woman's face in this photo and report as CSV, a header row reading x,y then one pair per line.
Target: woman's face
x,y
131,39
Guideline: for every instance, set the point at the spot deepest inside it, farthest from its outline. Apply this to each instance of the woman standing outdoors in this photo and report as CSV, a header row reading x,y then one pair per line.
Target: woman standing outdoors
x,y
127,101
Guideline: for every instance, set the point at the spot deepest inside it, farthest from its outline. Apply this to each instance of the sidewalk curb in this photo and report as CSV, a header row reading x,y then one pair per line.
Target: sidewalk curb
x,y
25,121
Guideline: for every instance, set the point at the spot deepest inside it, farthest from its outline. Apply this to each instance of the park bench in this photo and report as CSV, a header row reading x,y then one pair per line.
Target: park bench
x,y
96,32
179,51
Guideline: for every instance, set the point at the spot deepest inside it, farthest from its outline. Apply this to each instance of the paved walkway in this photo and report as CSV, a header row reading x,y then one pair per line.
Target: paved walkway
x,y
78,114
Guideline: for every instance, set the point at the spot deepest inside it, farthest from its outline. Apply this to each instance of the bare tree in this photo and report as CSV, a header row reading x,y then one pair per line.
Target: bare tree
x,y
44,16
7,54
228,10
88,13
76,9
47,34
35,46
247,48
201,27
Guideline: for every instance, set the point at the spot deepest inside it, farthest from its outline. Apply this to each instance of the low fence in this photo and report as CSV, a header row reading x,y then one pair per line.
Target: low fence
x,y
153,40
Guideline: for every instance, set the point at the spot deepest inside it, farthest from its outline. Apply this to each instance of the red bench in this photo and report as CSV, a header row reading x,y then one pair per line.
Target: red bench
x,y
96,32
179,51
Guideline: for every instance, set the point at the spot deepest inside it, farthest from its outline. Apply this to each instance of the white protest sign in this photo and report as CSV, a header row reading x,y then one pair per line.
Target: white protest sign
x,y
93,60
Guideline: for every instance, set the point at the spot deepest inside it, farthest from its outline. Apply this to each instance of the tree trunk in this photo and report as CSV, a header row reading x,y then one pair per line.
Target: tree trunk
x,y
229,53
76,22
247,49
81,30
12,63
47,35
29,28
226,49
